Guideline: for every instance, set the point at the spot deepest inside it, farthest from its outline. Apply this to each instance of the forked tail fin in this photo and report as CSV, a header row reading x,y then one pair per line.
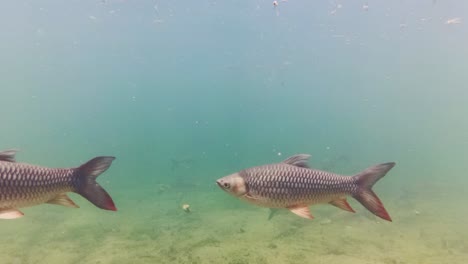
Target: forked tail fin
x,y
364,194
89,188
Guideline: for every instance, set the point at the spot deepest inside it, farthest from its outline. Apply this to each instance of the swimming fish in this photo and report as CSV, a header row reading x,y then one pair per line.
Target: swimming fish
x,y
293,185
23,185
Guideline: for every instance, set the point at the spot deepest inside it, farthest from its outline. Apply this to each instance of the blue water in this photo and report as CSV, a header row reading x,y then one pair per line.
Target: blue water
x,y
185,92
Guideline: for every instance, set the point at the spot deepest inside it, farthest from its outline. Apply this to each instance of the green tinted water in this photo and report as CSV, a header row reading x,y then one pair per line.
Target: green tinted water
x,y
183,93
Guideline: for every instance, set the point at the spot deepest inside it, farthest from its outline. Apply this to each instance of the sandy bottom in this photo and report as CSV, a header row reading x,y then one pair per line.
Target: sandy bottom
x,y
220,229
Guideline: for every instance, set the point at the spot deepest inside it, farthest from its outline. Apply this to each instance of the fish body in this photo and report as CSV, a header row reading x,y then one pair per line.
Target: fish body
x,y
24,185
293,185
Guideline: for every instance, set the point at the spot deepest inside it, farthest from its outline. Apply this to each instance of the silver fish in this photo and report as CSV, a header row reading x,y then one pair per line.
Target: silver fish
x,y
293,185
23,185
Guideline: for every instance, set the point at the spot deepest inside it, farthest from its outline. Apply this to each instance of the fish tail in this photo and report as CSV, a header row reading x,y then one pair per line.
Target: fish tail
x,y
89,188
364,194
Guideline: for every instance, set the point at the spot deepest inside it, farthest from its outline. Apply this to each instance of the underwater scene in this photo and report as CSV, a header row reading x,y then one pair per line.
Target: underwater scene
x,y
331,96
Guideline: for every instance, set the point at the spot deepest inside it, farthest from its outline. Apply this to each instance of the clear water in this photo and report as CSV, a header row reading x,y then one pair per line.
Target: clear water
x,y
185,92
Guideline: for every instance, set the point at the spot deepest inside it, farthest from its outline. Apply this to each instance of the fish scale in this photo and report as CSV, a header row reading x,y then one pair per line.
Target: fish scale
x,y
284,185
293,185
23,185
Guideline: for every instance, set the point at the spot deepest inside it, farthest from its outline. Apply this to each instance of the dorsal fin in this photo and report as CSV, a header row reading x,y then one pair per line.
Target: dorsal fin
x,y
299,160
8,155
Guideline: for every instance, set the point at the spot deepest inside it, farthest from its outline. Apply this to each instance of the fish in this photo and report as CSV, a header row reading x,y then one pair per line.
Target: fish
x,y
453,21
294,185
178,163
25,185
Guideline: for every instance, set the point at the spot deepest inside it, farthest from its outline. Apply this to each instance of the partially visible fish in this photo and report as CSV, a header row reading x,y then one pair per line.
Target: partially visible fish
x,y
453,21
177,163
23,185
293,185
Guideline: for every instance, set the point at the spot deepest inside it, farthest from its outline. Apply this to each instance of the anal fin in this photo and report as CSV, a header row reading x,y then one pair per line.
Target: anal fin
x,y
343,204
302,211
10,213
63,199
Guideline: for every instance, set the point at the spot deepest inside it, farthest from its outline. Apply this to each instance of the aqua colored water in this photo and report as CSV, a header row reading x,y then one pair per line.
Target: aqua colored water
x,y
185,92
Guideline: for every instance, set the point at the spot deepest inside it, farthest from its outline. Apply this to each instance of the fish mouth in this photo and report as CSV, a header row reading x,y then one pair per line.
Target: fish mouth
x,y
219,184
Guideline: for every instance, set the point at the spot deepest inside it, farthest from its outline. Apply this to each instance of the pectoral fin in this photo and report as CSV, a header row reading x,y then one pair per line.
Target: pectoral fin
x,y
10,213
250,197
342,204
302,211
63,199
273,212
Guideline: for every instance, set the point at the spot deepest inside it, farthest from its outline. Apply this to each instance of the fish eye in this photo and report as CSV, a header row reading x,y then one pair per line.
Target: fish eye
x,y
226,185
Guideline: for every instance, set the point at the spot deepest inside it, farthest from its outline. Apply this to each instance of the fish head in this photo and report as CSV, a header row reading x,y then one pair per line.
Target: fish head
x,y
233,184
